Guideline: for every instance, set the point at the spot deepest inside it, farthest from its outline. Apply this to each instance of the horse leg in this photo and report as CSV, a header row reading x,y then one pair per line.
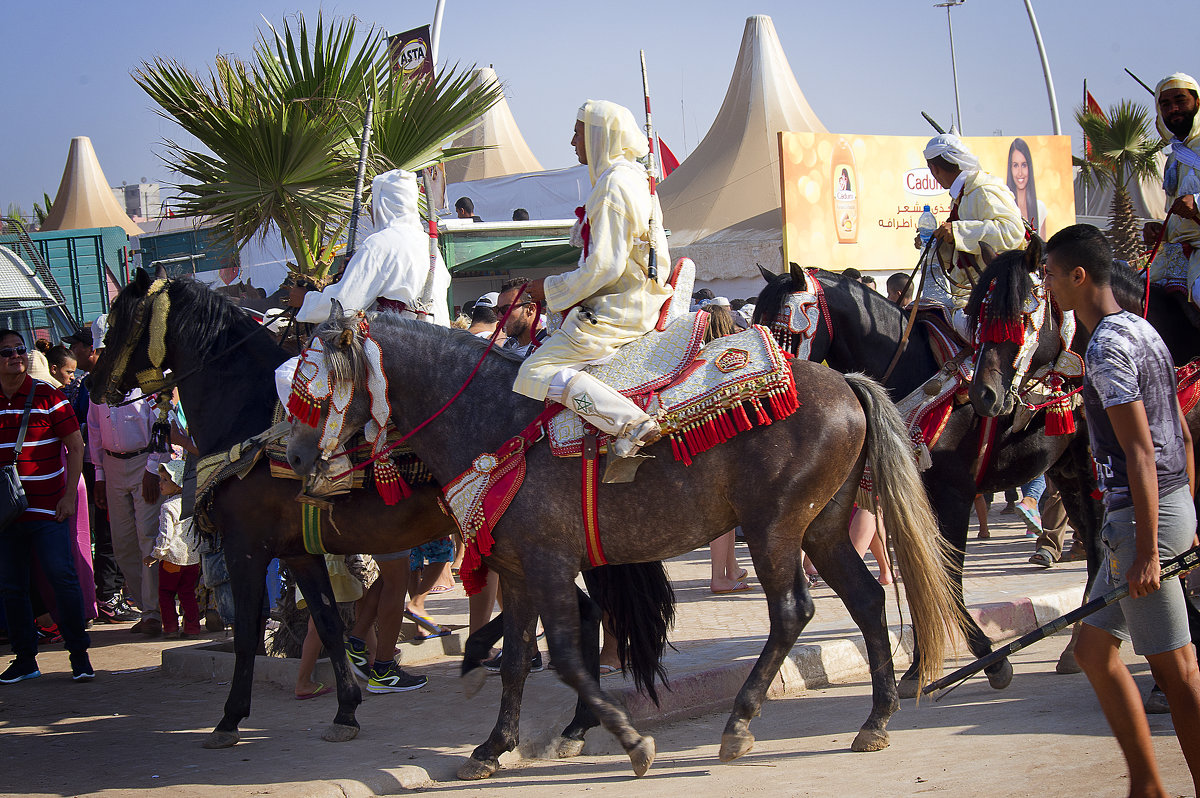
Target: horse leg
x,y
828,545
570,742
554,592
313,579
520,623
790,608
478,648
248,577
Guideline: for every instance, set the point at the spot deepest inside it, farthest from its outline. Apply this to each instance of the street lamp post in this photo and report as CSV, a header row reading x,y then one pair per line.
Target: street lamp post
x,y
1037,36
949,4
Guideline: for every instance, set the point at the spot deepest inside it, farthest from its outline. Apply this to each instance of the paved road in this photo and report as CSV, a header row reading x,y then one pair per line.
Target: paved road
x,y
136,731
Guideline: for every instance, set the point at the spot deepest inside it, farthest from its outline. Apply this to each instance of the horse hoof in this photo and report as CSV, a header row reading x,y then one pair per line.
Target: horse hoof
x,y
735,745
473,680
565,747
1067,663
474,770
222,739
642,755
870,740
339,733
908,688
1002,677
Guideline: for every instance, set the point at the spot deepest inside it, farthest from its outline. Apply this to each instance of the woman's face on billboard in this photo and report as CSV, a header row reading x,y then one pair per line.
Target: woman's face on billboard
x,y
1019,166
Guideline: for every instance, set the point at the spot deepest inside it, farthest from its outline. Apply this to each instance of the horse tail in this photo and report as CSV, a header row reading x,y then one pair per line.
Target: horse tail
x,y
924,556
639,603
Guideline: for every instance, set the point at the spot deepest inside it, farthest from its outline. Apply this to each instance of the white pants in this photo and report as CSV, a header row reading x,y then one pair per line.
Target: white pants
x,y
134,525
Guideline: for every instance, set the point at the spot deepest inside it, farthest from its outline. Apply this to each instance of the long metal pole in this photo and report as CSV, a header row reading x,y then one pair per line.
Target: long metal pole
x,y
1037,36
435,33
954,66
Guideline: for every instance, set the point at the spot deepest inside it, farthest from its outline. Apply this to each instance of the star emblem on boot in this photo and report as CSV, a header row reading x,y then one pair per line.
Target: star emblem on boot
x,y
584,404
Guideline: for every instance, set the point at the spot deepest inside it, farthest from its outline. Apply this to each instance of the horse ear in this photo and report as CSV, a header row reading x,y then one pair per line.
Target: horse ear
x,y
160,272
799,277
1033,253
986,253
335,310
766,273
142,280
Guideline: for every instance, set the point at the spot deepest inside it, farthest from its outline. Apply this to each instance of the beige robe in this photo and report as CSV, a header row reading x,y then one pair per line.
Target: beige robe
x,y
609,300
987,213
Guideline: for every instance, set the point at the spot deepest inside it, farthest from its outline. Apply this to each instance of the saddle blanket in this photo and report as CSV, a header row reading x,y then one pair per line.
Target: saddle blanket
x,y
1187,380
700,399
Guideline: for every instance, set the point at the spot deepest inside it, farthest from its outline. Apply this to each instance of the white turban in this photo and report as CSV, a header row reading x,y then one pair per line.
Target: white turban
x,y
1177,81
610,134
950,147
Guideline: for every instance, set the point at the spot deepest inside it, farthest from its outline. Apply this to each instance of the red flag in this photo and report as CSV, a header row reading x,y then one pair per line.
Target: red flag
x,y
1092,107
669,162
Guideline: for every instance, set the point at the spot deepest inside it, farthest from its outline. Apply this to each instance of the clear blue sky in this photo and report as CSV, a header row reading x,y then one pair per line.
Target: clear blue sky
x,y
866,66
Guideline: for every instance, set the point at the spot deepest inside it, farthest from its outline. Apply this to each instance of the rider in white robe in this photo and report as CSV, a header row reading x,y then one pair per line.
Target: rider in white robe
x,y
609,300
1178,259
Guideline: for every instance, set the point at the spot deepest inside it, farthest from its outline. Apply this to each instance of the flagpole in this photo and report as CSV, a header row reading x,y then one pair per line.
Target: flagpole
x,y
1037,37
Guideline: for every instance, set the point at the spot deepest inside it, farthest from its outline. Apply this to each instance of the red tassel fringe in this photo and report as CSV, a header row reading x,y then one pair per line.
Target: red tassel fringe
x,y
474,571
1059,419
303,409
700,436
391,486
994,331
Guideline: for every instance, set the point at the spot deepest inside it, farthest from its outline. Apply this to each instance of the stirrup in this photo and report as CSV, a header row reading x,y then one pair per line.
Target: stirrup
x,y
619,469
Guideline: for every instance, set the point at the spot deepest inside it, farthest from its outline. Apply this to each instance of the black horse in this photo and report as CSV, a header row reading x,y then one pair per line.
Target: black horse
x,y
861,330
227,361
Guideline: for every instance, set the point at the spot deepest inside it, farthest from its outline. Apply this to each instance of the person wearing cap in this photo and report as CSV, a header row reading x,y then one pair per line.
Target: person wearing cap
x,y
127,487
1178,259
610,299
483,315
982,211
175,555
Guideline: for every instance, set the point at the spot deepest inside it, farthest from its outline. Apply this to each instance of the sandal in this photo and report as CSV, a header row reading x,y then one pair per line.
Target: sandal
x,y
322,689
1042,557
610,670
1032,519
423,621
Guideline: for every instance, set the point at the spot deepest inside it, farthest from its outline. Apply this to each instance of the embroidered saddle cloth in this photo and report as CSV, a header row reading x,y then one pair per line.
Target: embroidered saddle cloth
x,y
701,401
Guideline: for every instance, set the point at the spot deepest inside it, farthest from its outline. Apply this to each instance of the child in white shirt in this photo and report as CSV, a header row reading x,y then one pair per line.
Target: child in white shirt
x,y
175,552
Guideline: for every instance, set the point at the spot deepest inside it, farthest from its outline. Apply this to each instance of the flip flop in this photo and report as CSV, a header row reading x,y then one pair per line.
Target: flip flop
x,y
1032,519
440,588
609,670
737,588
442,631
423,621
322,689
742,574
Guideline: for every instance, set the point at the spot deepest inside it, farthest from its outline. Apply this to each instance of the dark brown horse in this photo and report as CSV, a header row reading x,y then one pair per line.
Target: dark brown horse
x,y
756,481
227,362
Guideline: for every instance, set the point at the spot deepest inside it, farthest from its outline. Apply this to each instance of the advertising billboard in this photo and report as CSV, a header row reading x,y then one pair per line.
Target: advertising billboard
x,y
852,200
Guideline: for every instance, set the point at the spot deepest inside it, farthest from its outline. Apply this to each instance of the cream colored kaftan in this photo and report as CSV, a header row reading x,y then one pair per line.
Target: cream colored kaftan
x,y
1179,178
987,213
610,286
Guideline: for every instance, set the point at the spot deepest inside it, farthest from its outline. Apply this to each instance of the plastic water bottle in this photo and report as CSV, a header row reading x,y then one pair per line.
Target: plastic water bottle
x,y
926,225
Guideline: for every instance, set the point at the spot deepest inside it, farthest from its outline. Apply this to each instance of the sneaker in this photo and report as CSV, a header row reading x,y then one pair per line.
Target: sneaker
x,y
115,610
388,677
492,664
81,668
19,671
150,627
356,652
49,634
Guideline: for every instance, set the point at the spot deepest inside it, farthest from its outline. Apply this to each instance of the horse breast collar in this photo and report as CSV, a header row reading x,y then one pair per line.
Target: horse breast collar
x,y
152,379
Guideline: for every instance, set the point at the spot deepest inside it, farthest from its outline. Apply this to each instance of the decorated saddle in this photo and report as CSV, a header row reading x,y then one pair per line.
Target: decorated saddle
x,y
700,397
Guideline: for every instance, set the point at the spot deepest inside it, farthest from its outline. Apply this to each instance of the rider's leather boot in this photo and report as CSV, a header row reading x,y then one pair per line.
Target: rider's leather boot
x,y
608,411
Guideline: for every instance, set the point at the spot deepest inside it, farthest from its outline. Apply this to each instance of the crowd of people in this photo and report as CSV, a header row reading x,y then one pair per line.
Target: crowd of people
x,y
106,530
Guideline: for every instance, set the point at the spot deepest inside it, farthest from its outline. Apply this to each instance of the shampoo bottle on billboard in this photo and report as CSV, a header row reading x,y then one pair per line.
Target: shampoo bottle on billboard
x,y
845,193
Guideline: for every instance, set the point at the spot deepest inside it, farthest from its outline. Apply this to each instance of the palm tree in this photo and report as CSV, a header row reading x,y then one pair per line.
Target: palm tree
x,y
281,132
1120,148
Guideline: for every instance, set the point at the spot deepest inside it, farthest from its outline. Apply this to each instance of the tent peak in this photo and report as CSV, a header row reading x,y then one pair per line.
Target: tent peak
x,y
84,199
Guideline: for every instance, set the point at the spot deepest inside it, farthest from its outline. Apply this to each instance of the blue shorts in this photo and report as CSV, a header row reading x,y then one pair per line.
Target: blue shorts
x,y
1156,623
435,551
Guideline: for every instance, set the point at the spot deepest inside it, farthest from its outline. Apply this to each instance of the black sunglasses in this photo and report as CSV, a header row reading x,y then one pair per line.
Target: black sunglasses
x,y
504,308
9,351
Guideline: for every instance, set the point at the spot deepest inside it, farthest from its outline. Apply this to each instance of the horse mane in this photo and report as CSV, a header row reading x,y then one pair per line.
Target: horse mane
x,y
205,318
1004,284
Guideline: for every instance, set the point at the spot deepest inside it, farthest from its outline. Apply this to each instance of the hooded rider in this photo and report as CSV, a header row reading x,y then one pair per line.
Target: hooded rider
x,y
982,211
609,300
1179,123
388,272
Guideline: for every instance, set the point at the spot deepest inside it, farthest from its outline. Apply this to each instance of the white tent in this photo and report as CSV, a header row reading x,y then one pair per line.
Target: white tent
x,y
552,194
722,205
84,198
1149,199
508,154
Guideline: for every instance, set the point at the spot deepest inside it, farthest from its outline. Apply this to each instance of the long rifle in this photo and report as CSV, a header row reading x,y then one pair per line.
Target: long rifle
x,y
652,169
1139,80
356,207
1175,567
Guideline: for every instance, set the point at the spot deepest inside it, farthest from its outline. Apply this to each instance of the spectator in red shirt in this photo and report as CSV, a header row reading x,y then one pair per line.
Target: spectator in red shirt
x,y
43,528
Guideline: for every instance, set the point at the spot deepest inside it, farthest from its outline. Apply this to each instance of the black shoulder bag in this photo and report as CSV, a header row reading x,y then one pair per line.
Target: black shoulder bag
x,y
13,501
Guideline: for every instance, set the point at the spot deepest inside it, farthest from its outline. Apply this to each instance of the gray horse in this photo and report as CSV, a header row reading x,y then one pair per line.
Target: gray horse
x,y
799,474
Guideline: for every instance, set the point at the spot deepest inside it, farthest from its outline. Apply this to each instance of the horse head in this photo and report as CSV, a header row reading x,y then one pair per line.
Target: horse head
x,y
330,398
122,359
1012,323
